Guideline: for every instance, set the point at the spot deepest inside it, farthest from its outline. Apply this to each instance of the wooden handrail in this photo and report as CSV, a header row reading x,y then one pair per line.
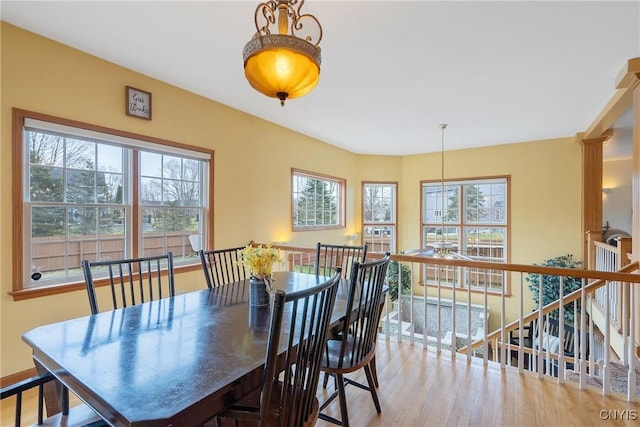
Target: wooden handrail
x,y
621,276
600,278
555,305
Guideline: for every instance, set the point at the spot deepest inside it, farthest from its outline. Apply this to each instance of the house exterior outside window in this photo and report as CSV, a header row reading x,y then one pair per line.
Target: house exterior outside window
x,y
379,216
317,201
94,195
467,219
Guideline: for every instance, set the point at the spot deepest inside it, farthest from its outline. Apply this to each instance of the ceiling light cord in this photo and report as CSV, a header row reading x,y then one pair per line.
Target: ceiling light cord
x,y
442,127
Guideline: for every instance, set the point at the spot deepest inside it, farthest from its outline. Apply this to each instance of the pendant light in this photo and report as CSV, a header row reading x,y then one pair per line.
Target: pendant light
x,y
442,248
284,64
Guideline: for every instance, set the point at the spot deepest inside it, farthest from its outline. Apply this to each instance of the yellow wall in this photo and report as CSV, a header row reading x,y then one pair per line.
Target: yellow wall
x,y
252,169
545,201
253,159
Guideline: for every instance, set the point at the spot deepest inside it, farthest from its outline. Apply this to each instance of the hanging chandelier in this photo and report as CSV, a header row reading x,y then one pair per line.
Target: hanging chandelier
x,y
441,248
284,64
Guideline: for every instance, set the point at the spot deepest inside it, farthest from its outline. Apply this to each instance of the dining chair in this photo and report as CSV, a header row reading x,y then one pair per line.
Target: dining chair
x,y
80,415
328,257
41,380
20,387
132,281
287,396
222,266
355,346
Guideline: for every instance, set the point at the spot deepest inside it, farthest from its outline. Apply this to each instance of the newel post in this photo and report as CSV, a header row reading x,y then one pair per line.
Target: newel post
x,y
591,189
590,260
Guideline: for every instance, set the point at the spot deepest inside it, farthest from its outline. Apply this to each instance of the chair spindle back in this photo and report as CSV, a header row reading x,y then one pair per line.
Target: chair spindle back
x,y
328,257
132,281
222,266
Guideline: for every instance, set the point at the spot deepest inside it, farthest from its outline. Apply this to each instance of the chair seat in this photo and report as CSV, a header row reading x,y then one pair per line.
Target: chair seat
x,y
247,411
79,416
331,360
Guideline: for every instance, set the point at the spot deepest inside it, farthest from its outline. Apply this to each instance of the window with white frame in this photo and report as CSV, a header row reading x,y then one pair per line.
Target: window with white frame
x,y
94,195
379,205
317,201
467,219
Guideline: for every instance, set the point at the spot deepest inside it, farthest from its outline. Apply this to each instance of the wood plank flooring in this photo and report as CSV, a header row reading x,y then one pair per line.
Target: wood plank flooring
x,y
421,388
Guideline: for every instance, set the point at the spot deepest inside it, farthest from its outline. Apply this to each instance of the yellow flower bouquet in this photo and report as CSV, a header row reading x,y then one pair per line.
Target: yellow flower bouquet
x,y
260,259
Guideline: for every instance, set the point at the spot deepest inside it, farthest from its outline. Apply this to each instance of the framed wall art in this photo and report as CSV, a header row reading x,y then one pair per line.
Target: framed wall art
x,y
138,103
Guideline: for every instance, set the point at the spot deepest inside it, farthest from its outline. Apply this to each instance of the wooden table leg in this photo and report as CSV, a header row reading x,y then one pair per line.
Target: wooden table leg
x,y
56,396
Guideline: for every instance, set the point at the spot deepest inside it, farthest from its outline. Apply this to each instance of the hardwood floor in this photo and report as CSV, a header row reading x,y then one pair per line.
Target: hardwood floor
x,y
421,388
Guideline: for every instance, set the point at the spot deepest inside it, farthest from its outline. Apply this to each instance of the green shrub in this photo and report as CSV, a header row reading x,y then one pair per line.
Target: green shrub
x,y
392,274
551,285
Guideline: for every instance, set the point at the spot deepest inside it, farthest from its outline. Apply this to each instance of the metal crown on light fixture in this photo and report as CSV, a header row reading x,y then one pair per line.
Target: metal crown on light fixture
x,y
284,65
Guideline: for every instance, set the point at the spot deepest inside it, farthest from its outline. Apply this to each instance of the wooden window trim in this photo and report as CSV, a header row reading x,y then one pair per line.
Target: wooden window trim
x,y
18,291
342,200
393,224
507,289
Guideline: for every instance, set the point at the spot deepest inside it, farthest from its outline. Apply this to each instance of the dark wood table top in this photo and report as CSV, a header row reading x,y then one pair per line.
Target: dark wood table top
x,y
175,361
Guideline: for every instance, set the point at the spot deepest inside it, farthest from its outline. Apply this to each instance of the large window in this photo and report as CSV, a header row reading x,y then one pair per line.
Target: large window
x,y
467,219
379,205
91,194
317,200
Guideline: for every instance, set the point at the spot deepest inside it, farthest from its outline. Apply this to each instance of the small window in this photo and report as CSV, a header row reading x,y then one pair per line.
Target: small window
x,y
317,201
379,205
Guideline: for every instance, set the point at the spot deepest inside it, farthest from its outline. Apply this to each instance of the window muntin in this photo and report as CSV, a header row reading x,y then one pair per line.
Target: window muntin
x,y
470,219
317,201
171,202
379,202
79,201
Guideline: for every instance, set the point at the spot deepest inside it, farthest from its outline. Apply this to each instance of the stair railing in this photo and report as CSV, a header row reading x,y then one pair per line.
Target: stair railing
x,y
456,288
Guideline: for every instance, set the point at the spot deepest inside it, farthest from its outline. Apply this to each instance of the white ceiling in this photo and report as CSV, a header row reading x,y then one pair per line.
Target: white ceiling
x,y
497,72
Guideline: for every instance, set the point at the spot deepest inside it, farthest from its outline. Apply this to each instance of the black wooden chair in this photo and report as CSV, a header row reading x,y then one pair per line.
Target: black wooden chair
x,y
288,394
222,266
355,347
38,381
80,415
526,340
569,339
550,332
132,281
328,257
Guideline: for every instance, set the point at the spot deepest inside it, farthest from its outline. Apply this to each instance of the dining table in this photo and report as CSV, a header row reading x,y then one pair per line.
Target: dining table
x,y
175,361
